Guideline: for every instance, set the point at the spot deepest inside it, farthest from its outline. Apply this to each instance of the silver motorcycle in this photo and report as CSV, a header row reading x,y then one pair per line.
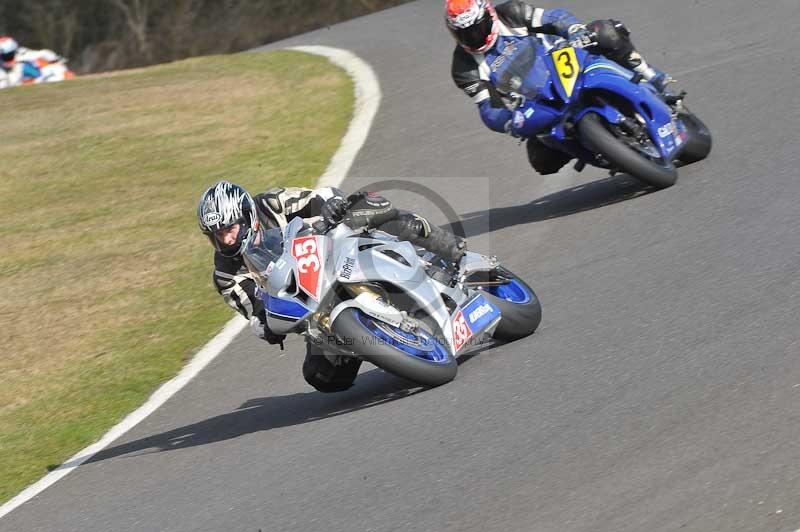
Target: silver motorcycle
x,y
364,294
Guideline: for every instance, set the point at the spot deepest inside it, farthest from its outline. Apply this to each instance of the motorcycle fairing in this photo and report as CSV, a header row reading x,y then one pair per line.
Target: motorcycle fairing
x,y
603,75
473,319
283,309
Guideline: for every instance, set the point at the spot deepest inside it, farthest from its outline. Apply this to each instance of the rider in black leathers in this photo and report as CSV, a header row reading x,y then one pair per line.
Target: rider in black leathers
x,y
227,215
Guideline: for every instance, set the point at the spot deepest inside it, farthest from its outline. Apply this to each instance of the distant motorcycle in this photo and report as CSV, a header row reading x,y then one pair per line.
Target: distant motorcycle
x,y
601,113
34,72
368,295
42,71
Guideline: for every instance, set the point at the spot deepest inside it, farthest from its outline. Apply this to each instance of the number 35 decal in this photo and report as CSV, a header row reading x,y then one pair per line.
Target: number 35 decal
x,y
567,66
461,331
309,263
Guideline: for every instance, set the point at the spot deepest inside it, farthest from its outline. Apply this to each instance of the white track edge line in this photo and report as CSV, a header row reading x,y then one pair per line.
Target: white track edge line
x,y
367,100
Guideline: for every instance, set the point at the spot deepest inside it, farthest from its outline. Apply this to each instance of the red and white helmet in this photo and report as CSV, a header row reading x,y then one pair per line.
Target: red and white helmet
x,y
473,23
8,49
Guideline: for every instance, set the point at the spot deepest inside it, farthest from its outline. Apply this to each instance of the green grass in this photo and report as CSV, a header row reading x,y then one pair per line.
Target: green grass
x,y
106,280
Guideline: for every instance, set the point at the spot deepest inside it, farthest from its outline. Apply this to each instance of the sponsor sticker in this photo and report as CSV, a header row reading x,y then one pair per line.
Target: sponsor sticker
x,y
473,88
480,313
212,218
519,120
666,130
347,268
507,52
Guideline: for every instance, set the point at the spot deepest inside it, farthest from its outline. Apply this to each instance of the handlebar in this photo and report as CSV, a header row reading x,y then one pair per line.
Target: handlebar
x,y
586,40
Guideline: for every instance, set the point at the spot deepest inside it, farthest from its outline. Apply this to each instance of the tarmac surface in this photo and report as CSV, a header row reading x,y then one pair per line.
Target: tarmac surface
x,y
661,392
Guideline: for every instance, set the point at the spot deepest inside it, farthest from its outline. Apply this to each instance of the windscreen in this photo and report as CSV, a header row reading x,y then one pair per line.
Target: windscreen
x,y
261,250
524,71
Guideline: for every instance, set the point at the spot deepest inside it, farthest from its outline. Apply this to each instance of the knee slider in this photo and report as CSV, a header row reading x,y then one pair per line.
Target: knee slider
x,y
545,160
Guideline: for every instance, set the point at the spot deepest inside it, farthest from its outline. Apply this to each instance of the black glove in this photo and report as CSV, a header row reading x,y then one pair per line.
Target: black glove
x,y
258,324
580,36
369,209
334,209
273,338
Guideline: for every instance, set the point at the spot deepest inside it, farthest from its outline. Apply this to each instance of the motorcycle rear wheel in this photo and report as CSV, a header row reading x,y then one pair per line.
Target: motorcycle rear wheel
x,y
520,308
594,132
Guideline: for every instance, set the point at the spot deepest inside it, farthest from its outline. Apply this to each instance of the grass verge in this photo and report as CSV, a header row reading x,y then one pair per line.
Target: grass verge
x,y
105,278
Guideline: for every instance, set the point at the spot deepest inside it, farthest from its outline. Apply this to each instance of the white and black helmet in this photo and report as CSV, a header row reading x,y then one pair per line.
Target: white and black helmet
x,y
8,49
222,206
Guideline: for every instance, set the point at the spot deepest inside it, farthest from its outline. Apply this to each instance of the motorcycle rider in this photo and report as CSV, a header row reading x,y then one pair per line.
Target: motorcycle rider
x,y
228,216
21,64
483,34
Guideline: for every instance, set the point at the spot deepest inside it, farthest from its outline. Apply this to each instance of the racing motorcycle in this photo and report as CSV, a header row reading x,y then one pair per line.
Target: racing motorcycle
x,y
365,294
595,110
34,72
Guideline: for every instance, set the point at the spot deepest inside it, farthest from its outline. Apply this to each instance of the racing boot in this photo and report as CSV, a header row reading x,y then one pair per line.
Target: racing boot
x,y
448,247
657,78
660,81
444,253
443,243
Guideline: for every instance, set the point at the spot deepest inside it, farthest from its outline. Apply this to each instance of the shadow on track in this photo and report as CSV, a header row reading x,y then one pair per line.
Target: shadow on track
x,y
372,388
562,203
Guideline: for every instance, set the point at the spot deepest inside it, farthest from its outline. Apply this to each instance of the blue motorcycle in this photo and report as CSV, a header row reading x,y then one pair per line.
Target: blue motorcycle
x,y
600,113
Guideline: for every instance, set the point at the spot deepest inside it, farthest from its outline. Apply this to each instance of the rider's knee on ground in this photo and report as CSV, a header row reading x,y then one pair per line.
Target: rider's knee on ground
x,y
545,160
326,376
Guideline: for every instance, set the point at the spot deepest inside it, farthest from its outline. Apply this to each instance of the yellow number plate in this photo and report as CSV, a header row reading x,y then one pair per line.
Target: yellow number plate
x,y
568,67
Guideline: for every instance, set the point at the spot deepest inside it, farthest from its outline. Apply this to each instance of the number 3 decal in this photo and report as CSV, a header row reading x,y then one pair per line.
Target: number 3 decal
x,y
567,65
567,62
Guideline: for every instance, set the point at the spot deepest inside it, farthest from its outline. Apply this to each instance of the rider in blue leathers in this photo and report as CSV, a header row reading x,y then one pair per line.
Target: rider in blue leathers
x,y
488,36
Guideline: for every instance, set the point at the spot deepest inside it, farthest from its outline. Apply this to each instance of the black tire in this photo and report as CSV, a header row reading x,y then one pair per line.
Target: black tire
x,y
519,319
595,135
698,146
349,329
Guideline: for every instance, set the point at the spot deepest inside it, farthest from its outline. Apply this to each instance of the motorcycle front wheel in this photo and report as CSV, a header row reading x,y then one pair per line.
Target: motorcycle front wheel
x,y
418,356
624,153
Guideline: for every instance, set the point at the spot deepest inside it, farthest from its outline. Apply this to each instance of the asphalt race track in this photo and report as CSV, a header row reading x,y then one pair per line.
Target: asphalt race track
x,y
661,393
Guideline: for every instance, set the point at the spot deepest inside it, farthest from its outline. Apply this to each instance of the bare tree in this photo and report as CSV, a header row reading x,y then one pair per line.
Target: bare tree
x,y
108,34
136,14
54,22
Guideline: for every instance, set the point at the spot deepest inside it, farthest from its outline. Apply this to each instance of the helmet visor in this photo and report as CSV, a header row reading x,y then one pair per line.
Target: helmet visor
x,y
475,35
8,57
229,239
